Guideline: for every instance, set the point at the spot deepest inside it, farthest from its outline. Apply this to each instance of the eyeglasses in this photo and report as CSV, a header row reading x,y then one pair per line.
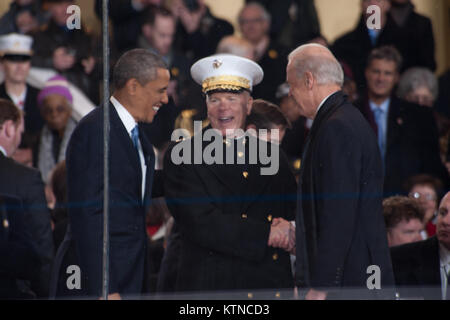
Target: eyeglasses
x,y
418,195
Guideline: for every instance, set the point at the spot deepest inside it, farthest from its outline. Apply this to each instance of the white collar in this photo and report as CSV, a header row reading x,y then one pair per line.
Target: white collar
x,y
2,150
323,102
444,255
125,116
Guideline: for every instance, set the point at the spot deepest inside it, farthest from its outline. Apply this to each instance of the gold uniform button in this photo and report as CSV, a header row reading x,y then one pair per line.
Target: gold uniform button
x,y
250,295
6,223
240,154
277,295
275,256
269,218
245,174
244,216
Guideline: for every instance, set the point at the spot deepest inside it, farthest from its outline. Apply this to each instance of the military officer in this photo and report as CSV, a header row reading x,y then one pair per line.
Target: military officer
x,y
231,217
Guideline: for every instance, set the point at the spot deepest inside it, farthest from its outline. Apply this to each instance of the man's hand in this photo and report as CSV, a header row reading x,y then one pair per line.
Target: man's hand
x,y
282,234
316,295
62,59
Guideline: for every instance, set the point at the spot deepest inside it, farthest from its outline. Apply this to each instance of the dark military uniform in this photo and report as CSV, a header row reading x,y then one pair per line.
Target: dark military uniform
x,y
273,62
223,213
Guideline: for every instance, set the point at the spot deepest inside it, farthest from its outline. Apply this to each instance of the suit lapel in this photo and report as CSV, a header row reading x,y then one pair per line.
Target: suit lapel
x,y
149,157
429,272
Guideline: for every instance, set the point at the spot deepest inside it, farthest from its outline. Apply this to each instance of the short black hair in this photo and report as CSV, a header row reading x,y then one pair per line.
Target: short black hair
x,y
139,64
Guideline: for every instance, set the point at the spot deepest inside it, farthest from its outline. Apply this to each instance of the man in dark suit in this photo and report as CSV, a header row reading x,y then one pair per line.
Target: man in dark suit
x,y
26,184
231,220
140,80
19,258
422,268
407,133
254,22
340,227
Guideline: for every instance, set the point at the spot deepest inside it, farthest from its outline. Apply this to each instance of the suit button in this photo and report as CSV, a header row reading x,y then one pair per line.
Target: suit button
x,y
275,256
245,174
269,218
244,216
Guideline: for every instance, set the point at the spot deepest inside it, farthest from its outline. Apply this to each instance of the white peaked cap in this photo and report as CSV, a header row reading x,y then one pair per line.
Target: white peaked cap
x,y
16,44
226,72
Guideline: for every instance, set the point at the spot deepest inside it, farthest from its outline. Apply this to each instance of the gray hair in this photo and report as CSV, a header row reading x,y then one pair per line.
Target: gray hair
x,y
139,64
416,77
326,70
265,14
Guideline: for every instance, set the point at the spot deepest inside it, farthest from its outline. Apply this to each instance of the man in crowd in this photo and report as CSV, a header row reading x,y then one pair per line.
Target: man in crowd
x,y
140,79
422,268
340,227
404,220
407,133
232,220
26,185
254,22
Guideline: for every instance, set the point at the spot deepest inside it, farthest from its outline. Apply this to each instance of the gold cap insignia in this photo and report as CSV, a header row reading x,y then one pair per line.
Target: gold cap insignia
x,y
217,63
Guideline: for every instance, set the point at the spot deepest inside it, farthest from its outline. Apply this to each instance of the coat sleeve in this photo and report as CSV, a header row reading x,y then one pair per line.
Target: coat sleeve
x,y
38,217
337,170
204,223
85,193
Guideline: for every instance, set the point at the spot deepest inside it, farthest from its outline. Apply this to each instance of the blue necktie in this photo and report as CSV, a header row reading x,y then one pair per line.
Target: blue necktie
x,y
135,137
378,112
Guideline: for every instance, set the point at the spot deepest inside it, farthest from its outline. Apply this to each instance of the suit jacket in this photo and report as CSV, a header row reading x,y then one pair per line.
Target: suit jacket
x,y
19,256
33,119
26,184
223,213
412,143
340,227
273,62
127,210
417,269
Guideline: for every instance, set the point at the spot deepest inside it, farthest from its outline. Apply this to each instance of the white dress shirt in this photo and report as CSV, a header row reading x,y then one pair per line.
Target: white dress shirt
x,y
444,256
129,123
2,150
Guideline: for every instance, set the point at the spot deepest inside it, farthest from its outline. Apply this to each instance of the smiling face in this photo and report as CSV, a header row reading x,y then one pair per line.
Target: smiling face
x,y
228,111
382,76
150,97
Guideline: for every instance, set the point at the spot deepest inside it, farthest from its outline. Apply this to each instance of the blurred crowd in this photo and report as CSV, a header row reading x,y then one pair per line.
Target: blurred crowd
x,y
389,75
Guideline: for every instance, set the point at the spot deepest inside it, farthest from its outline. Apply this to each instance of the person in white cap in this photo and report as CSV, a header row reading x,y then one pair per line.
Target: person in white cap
x,y
15,57
231,222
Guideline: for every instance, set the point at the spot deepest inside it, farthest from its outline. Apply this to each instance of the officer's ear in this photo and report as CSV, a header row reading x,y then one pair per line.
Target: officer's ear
x,y
249,104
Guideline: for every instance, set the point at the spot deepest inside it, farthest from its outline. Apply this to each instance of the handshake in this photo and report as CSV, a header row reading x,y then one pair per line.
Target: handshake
x,y
282,235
